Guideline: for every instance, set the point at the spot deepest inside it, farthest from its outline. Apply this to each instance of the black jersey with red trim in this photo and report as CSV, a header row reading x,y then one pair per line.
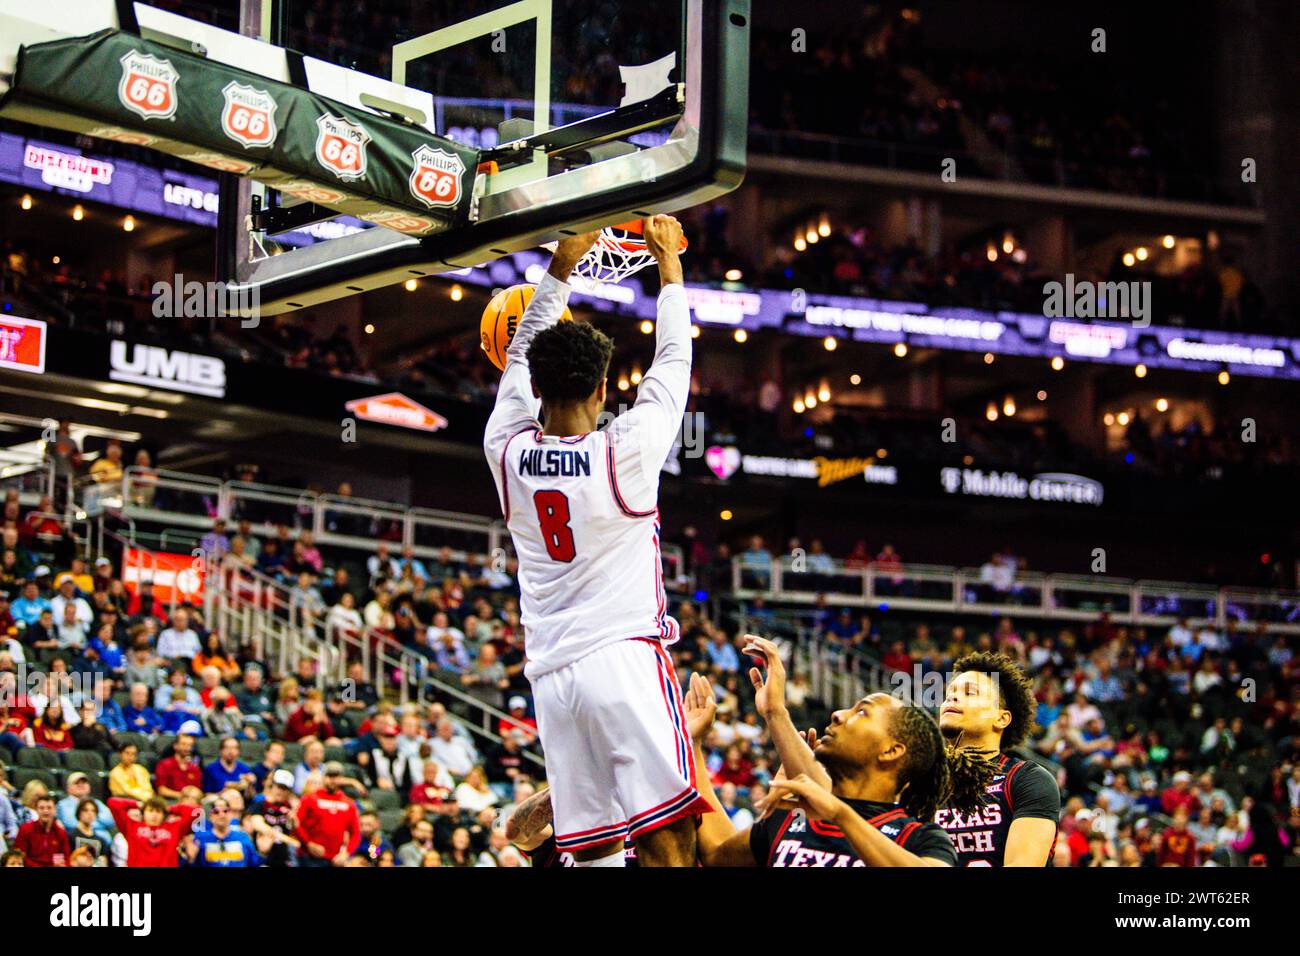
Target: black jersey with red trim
x,y
1019,788
547,854
789,838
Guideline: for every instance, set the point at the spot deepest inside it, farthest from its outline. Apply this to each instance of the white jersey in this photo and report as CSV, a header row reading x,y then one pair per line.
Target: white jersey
x,y
583,510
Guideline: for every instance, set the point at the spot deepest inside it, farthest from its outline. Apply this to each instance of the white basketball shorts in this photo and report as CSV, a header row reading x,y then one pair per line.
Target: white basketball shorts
x,y
618,755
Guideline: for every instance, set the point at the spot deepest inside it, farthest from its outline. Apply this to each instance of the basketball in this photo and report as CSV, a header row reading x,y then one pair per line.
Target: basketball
x,y
501,318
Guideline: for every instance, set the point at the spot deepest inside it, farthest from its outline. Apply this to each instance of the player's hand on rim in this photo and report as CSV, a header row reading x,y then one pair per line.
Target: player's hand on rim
x,y
663,237
569,251
701,707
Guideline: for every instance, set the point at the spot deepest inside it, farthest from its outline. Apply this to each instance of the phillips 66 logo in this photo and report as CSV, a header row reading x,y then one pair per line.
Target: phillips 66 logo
x,y
341,147
435,178
148,85
248,116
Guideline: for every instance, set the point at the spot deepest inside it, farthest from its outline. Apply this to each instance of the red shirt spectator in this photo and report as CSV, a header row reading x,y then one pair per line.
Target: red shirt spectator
x,y
153,834
43,841
50,731
177,772
1177,847
309,720
328,821
1180,796
430,795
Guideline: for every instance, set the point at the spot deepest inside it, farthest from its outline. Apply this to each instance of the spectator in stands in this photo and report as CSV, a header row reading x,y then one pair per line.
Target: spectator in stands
x,y
139,715
51,730
43,841
68,597
129,778
214,655
313,763
28,608
722,654
756,564
178,771
228,770
180,640
381,566
413,852
450,751
389,768
486,679
288,700
219,844
309,720
254,703
153,832
69,808
178,700
329,827
88,733
272,760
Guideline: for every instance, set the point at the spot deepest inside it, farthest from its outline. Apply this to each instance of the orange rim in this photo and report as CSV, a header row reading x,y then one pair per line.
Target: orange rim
x,y
634,226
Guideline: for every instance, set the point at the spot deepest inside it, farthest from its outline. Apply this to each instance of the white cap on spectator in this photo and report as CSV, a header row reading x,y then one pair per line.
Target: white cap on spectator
x,y
190,728
41,571
518,703
282,778
103,562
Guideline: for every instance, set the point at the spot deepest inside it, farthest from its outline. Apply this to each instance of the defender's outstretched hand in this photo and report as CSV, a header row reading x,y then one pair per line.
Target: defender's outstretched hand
x,y
769,698
700,707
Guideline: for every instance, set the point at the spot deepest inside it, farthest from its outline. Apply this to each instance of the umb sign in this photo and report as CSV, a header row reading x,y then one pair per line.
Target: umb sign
x,y
176,371
395,408
148,86
22,344
435,177
248,116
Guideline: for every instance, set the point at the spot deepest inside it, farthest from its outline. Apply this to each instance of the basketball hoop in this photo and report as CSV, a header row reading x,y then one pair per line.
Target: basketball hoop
x,y
620,251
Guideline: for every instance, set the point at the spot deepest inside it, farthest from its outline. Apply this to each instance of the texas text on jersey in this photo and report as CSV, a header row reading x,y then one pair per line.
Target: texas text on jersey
x,y
1019,788
789,838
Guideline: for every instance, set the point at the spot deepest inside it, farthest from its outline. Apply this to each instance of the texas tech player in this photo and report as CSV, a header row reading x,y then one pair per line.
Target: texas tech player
x,y
989,708
581,505
888,772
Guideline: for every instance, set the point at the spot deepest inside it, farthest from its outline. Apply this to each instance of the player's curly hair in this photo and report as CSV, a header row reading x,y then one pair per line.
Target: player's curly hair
x,y
1014,687
569,361
934,775
923,776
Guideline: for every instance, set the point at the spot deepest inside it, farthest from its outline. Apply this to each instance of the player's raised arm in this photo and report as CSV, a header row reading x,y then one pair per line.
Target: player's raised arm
x,y
517,408
644,436
791,745
515,393
718,842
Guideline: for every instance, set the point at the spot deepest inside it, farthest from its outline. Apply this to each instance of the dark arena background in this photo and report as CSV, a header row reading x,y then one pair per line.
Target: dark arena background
x,y
996,332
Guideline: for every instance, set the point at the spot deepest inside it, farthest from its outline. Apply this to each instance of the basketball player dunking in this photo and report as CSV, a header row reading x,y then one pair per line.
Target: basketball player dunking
x,y
581,506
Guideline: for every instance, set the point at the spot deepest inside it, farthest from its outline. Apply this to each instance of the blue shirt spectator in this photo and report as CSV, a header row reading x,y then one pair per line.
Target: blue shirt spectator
x,y
722,654
233,848
27,609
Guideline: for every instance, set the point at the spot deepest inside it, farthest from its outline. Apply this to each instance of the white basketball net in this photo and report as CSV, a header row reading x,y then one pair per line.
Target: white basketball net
x,y
616,255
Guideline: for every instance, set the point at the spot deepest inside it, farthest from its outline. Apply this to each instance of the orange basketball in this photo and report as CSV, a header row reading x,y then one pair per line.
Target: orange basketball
x,y
501,318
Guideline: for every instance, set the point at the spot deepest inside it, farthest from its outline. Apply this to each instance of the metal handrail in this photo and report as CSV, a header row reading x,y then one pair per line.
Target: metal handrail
x,y
747,583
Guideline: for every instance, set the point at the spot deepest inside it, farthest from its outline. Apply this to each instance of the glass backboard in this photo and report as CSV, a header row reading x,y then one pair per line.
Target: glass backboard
x,y
584,113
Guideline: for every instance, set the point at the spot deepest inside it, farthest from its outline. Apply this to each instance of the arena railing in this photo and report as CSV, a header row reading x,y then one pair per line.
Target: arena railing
x,y
1052,596
179,501
185,500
